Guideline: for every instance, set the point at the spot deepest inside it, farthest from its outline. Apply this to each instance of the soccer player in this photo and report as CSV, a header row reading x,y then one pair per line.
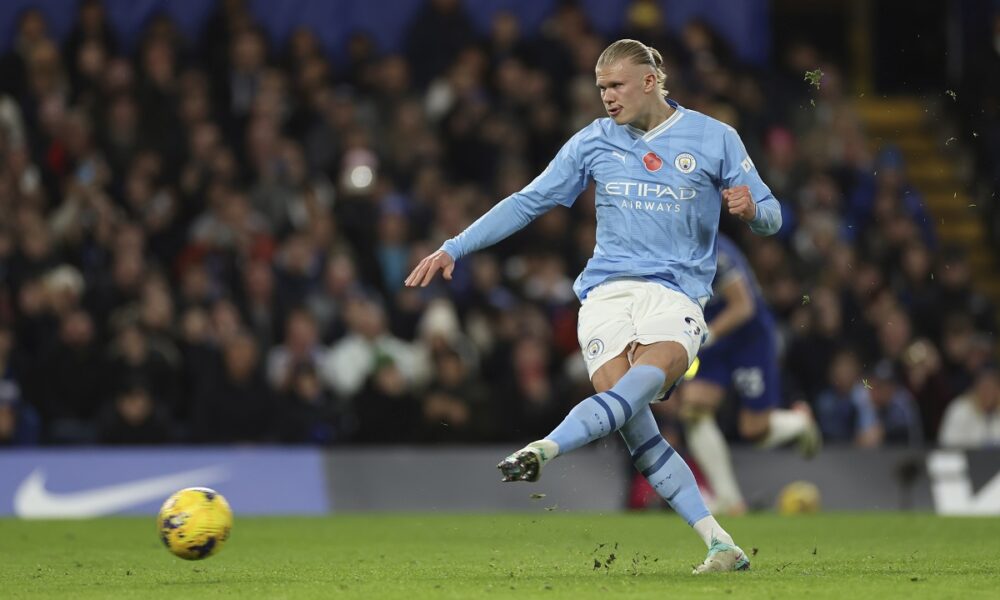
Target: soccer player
x,y
662,174
740,354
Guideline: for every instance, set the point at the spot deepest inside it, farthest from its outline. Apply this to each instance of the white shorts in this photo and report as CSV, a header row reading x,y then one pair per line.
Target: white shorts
x,y
624,313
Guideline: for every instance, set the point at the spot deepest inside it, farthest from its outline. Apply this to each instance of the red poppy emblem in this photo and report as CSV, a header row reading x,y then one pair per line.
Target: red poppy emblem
x,y
652,162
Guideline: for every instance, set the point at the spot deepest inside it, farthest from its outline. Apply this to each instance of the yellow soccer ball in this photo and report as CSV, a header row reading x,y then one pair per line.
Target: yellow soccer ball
x,y
194,523
799,497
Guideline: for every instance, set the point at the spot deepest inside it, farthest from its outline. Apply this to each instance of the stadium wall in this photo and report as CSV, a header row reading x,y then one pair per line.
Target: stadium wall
x,y
80,483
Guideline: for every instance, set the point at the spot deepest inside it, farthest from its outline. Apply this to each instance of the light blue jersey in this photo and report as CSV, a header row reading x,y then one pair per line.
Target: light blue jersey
x,y
658,200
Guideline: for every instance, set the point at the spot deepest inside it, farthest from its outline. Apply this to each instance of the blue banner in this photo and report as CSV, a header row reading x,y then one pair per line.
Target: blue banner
x,y
81,483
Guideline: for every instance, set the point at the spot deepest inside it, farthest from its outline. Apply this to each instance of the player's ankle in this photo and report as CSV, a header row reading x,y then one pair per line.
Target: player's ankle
x,y
710,531
548,449
785,426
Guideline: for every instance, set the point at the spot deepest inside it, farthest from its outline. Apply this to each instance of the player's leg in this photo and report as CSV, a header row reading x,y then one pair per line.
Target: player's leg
x,y
609,326
621,395
670,330
700,399
653,456
672,479
624,391
606,332
667,472
632,388
758,385
770,428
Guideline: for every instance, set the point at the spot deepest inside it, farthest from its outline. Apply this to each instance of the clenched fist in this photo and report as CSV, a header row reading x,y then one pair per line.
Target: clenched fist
x,y
740,202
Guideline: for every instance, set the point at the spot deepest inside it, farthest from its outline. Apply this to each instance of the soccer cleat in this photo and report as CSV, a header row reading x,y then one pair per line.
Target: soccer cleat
x,y
811,440
722,558
523,465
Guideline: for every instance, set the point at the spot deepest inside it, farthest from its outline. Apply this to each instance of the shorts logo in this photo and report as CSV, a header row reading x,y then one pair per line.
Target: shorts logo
x,y
652,162
749,382
595,347
694,329
685,163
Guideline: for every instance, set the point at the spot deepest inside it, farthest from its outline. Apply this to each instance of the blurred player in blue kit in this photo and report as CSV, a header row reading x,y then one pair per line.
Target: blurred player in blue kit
x,y
663,174
740,354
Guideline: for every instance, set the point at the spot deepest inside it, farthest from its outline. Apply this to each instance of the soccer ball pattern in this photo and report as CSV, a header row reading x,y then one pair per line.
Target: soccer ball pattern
x,y
194,523
799,497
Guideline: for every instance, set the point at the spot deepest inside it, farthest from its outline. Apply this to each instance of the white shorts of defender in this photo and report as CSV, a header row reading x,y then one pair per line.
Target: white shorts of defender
x,y
624,313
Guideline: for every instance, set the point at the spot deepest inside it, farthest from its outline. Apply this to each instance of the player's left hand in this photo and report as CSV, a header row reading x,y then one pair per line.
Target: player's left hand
x,y
740,202
424,272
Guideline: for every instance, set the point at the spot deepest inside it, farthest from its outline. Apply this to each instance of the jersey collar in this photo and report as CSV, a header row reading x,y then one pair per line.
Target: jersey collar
x,y
655,132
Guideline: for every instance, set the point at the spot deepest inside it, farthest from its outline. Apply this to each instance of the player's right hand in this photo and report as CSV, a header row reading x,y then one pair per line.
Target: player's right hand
x,y
740,202
425,270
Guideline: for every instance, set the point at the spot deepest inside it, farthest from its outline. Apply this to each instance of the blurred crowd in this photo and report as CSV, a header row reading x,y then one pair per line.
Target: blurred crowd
x,y
205,240
976,106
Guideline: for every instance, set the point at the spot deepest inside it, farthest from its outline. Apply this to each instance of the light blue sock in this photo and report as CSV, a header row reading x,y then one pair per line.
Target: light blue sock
x,y
665,470
600,414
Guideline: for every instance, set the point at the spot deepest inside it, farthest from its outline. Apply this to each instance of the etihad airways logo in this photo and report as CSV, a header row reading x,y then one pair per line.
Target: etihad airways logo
x,y
648,190
651,205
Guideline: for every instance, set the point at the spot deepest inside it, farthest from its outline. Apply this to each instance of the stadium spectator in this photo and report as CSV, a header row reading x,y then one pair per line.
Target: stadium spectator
x,y
306,413
965,351
355,357
133,417
439,32
259,305
301,346
958,295
973,419
455,407
887,193
839,407
815,340
328,301
887,413
233,402
32,33
531,375
19,422
132,358
867,411
70,381
923,375
91,27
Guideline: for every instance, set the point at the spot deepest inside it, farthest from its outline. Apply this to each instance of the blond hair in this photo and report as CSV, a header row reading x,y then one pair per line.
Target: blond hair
x,y
636,53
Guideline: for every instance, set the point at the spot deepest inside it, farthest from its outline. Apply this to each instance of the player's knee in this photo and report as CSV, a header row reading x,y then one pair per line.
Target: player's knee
x,y
696,407
701,397
670,357
753,425
690,413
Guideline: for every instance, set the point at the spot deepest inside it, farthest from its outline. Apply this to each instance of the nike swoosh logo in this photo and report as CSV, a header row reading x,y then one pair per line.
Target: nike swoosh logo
x,y
33,501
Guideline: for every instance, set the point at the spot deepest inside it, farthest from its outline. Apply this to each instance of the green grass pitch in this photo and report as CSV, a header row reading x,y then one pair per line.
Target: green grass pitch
x,y
543,555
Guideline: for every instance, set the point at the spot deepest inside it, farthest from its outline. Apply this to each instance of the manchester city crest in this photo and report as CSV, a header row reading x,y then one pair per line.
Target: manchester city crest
x,y
594,348
685,162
